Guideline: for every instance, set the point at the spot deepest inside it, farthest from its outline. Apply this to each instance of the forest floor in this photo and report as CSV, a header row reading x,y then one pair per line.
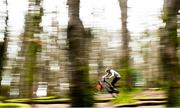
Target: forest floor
x,y
97,105
149,98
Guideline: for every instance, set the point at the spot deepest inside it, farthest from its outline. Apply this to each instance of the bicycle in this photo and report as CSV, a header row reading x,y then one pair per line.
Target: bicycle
x,y
103,84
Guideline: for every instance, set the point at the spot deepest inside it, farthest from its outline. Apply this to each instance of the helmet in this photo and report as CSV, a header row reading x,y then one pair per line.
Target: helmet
x,y
107,69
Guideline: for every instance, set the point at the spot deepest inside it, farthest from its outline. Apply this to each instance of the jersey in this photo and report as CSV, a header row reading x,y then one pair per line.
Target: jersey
x,y
112,73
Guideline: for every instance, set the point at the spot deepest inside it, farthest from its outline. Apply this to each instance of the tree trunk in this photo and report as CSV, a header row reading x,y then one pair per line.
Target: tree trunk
x,y
80,90
169,43
3,46
124,60
30,47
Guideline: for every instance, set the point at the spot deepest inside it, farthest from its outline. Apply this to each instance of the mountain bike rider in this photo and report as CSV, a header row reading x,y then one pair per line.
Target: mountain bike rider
x,y
111,73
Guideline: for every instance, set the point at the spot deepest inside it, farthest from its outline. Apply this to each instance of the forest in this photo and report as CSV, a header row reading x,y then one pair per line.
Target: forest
x,y
53,53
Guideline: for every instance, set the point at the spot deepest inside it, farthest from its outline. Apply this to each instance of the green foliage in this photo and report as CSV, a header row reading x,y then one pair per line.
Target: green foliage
x,y
45,98
22,100
132,74
4,90
82,93
38,100
14,105
126,96
173,99
165,15
46,101
1,98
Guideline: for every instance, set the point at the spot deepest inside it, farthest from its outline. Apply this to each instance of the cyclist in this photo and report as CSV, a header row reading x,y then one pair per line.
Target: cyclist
x,y
111,73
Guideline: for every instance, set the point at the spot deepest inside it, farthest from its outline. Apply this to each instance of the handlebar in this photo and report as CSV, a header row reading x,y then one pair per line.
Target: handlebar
x,y
104,79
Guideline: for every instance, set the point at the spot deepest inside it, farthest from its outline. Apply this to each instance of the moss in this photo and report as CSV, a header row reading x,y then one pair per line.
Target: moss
x,y
125,96
45,98
52,101
14,105
40,100
23,100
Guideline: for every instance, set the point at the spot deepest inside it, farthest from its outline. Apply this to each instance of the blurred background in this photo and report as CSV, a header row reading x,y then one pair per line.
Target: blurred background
x,y
62,47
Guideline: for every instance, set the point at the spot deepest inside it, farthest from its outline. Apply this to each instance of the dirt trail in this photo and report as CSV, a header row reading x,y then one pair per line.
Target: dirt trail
x,y
97,105
146,96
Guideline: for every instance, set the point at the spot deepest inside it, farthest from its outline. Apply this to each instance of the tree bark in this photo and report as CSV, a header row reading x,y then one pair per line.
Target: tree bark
x,y
3,48
80,89
124,60
30,48
169,44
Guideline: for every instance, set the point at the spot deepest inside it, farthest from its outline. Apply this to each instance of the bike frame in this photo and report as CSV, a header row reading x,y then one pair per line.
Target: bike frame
x,y
108,87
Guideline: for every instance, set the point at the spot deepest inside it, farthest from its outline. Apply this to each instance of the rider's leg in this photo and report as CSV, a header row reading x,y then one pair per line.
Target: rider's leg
x,y
114,81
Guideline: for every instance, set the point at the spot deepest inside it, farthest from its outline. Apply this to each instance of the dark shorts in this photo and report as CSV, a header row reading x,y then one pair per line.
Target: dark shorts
x,y
114,81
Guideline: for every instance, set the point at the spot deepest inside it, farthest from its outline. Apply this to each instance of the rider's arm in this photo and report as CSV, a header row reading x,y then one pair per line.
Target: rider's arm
x,y
104,76
112,74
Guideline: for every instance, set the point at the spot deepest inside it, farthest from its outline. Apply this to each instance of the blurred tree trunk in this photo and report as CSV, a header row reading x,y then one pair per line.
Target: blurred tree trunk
x,y
30,47
80,90
124,60
169,59
3,47
100,65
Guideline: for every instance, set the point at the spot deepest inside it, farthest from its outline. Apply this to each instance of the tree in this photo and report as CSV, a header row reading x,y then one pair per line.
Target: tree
x,y
124,60
169,59
30,47
3,46
80,89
